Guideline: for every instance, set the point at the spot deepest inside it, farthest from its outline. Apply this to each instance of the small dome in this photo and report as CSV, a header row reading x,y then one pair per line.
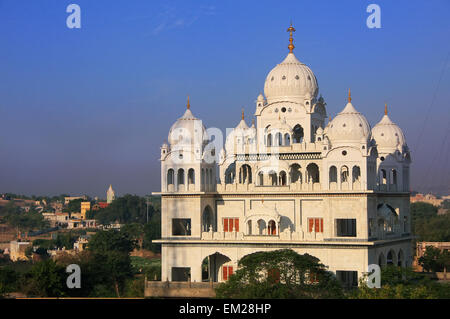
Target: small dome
x,y
291,79
264,212
388,136
187,130
319,131
349,126
260,98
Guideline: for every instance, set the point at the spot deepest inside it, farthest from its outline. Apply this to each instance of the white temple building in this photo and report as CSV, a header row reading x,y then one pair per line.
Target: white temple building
x,y
110,195
335,189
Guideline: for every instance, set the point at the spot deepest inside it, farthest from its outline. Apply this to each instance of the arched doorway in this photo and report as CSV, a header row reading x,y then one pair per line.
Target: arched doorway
x,y
213,265
297,136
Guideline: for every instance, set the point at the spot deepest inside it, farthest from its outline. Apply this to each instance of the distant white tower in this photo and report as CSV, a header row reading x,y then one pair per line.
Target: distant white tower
x,y
110,195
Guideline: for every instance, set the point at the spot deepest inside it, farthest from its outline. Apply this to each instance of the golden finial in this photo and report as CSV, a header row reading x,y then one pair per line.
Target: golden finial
x,y
385,109
291,40
329,118
253,121
188,104
349,96
242,116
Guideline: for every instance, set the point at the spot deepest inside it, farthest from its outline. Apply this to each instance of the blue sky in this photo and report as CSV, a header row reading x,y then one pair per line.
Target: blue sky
x,y
84,108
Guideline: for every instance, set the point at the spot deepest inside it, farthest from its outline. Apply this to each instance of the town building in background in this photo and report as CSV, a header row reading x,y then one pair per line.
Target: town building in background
x,y
110,195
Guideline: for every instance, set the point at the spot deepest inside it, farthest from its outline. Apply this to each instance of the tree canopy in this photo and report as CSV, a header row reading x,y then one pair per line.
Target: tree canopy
x,y
280,274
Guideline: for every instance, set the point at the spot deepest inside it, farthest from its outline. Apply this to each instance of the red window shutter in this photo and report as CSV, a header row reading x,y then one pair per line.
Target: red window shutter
x,y
317,225
225,273
225,224
311,224
236,224
230,270
321,225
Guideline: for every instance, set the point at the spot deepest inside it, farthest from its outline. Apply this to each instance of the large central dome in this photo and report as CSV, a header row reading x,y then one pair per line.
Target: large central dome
x,y
290,80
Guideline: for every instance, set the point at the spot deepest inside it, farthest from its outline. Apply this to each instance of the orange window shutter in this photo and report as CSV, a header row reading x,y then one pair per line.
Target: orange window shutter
x,y
236,224
317,225
311,224
321,225
225,273
230,270
225,224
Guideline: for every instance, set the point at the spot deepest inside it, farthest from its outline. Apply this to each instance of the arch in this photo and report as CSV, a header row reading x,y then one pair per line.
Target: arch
x,y
333,174
212,265
261,226
313,173
230,173
296,174
261,178
245,174
269,139
249,227
272,228
282,178
391,258
297,136
393,177
170,176
180,176
344,174
207,219
287,139
191,176
356,173
383,177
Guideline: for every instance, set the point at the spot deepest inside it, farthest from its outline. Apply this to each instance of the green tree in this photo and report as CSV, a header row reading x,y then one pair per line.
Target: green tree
x,y
280,274
46,279
74,206
152,231
434,259
111,251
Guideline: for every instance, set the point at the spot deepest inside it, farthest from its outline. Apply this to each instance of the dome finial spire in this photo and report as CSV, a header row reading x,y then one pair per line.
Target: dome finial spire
x,y
349,96
385,109
188,103
291,40
242,116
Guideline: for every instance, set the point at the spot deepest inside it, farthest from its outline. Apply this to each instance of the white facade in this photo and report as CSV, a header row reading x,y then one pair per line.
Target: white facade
x,y
337,189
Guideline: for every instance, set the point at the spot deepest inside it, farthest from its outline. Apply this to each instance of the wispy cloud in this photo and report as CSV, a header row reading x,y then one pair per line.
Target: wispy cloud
x,y
169,18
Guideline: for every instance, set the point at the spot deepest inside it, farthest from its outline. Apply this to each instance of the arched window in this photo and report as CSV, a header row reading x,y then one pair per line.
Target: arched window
x,y
287,139
207,176
333,174
394,176
261,178
269,139
249,227
356,172
383,177
272,228
170,175
344,174
210,176
296,175
245,174
282,178
207,219
191,176
313,173
180,176
297,136
230,173
390,258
